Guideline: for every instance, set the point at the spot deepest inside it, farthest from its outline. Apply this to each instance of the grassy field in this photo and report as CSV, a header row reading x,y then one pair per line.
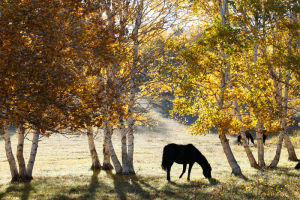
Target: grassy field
x,y
62,170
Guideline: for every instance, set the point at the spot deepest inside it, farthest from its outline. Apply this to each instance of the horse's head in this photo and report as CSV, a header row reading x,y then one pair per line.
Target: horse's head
x,y
207,172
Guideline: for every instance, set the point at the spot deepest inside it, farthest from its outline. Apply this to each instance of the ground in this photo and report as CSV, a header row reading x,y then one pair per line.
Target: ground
x,y
62,170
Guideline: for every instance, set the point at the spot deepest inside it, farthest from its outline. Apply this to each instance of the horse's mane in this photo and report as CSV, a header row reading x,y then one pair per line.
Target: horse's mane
x,y
202,160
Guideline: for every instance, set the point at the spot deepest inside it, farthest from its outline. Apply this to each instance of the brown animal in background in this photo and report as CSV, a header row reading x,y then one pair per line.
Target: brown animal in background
x,y
248,136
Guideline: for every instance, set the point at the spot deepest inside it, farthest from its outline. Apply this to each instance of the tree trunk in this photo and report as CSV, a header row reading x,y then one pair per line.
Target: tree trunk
x,y
114,158
275,161
259,129
106,150
131,120
250,156
236,170
290,148
260,145
10,156
125,169
237,111
95,159
288,143
20,156
130,144
282,103
34,146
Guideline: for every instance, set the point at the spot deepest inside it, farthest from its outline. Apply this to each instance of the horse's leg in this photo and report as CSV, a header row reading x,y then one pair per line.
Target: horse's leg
x,y
190,169
264,138
252,140
239,140
183,171
247,139
169,170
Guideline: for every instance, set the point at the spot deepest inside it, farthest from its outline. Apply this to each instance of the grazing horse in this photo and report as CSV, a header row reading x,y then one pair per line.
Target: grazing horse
x,y
248,136
264,135
184,154
297,166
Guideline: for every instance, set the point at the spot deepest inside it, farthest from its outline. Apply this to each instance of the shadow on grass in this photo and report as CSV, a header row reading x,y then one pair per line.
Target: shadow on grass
x,y
94,184
83,191
138,187
23,188
124,184
282,171
166,192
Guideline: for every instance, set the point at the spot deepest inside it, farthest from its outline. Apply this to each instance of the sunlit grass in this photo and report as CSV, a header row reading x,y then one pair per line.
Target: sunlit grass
x,y
62,170
295,138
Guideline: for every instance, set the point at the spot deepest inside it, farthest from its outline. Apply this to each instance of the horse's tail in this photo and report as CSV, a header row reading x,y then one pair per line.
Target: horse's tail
x,y
164,162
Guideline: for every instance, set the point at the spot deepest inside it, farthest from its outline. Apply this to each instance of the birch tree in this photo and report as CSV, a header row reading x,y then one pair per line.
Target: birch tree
x,y
39,74
204,83
133,23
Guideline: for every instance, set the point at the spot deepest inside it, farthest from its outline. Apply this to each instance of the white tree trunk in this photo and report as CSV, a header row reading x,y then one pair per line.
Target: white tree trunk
x,y
94,155
223,6
224,12
237,111
236,170
106,150
125,169
290,148
275,160
259,133
131,120
10,156
33,152
288,143
114,158
260,145
282,103
248,151
20,156
130,145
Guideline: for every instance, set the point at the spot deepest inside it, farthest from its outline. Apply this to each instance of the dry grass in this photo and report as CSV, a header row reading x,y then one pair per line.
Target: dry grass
x,y
62,170
295,138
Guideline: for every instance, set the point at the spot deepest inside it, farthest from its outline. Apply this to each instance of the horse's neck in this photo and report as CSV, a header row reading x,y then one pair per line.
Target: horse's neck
x,y
201,160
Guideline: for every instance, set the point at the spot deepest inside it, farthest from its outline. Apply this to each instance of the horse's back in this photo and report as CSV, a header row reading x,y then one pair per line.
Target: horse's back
x,y
181,154
170,149
179,147
171,145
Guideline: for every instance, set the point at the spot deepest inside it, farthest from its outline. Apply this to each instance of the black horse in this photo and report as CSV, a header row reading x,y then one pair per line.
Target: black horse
x,y
264,135
184,154
297,166
248,137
